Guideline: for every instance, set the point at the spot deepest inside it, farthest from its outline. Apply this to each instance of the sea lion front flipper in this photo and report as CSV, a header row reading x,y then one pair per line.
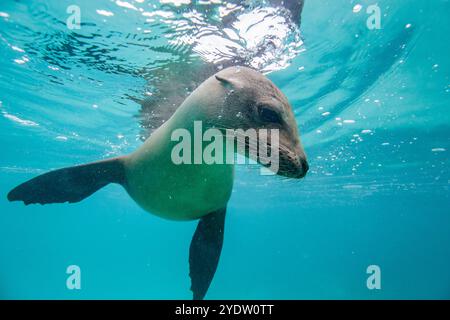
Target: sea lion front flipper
x,y
204,252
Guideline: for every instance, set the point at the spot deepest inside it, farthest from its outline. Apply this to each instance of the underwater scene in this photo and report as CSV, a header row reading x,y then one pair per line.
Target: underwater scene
x,y
356,91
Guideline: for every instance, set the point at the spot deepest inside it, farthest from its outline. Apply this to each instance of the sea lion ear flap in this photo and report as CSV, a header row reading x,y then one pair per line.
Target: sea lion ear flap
x,y
227,82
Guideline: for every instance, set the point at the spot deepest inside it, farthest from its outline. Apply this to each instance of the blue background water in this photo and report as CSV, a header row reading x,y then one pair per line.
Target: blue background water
x,y
377,191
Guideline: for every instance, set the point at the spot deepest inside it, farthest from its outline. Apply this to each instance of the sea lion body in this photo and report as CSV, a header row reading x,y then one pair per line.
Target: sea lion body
x,y
180,191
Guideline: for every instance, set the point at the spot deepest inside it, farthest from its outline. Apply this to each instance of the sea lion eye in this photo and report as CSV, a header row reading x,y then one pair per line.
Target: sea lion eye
x,y
267,114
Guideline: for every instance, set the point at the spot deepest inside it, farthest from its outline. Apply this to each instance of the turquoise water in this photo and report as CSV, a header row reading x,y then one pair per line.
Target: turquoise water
x,y
372,106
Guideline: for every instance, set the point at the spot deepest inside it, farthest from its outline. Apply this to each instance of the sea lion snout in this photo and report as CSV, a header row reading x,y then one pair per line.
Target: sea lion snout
x,y
293,161
293,164
302,169
302,162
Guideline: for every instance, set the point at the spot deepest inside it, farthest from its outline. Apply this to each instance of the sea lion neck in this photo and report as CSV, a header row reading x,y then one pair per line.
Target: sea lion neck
x,y
205,105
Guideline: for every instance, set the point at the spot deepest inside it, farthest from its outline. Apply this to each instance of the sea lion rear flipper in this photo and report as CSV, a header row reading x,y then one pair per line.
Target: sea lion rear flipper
x,y
204,252
70,184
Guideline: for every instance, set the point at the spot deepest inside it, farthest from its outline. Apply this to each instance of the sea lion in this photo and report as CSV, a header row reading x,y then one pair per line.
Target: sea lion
x,y
234,98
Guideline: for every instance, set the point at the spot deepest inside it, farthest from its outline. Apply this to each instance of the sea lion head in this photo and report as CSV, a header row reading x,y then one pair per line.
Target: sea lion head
x,y
252,101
